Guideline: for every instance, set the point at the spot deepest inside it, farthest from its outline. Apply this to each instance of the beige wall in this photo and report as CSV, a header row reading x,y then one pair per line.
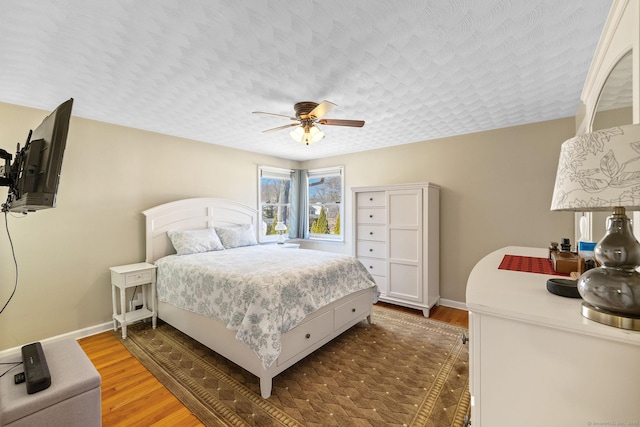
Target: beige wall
x,y
496,191
110,174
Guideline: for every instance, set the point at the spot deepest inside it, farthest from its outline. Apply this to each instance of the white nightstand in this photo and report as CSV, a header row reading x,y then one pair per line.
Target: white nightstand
x,y
127,276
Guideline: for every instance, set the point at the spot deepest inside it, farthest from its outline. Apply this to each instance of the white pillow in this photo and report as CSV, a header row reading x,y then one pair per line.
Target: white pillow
x,y
188,242
234,237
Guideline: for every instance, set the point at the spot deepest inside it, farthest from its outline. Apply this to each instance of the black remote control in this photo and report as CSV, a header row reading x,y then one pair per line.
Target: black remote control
x,y
36,370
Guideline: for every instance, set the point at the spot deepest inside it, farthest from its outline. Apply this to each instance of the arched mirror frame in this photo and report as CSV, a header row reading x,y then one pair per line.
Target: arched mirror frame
x,y
620,36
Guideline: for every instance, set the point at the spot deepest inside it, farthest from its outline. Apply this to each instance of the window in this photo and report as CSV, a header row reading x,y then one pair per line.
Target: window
x,y
275,201
325,195
286,195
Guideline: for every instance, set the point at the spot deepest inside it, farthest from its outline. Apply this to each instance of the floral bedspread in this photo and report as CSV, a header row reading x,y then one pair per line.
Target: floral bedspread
x,y
260,291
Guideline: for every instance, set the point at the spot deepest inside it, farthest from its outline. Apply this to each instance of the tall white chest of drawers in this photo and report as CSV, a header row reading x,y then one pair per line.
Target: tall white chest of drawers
x,y
397,237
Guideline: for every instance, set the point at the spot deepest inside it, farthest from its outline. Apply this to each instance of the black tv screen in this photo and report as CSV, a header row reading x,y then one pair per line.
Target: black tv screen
x,y
35,172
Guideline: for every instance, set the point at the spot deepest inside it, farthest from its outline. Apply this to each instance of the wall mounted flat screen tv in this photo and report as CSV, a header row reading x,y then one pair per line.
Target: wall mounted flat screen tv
x,y
34,175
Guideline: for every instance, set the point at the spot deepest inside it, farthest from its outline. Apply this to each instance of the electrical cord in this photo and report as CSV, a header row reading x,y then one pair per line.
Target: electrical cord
x,y
15,261
15,365
133,297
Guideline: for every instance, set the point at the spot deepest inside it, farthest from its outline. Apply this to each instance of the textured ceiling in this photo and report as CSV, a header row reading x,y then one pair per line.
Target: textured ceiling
x,y
414,70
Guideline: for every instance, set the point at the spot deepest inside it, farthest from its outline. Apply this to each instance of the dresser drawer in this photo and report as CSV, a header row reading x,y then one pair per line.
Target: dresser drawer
x,y
371,216
383,284
372,232
365,248
371,198
374,266
305,335
352,309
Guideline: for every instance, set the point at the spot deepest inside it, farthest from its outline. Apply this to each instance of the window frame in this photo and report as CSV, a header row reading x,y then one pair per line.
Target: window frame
x,y
274,173
323,172
300,185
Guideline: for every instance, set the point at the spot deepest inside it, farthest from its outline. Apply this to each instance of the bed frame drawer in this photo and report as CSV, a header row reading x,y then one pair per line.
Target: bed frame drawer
x,y
351,310
305,335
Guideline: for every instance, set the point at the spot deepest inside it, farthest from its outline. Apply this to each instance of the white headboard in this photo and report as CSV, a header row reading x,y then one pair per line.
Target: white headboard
x,y
191,214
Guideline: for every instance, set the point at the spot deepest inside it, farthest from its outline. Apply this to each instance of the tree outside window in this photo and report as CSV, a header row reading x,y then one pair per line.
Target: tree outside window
x,y
325,195
275,201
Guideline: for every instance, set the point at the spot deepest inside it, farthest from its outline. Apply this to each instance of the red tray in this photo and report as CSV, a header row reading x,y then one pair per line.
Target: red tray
x,y
528,264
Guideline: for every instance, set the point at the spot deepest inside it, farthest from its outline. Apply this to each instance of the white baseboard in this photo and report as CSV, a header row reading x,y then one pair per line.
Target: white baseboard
x,y
453,304
80,333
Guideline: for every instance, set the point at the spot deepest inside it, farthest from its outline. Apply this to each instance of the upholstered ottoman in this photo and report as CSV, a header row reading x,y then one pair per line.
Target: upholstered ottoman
x,y
73,399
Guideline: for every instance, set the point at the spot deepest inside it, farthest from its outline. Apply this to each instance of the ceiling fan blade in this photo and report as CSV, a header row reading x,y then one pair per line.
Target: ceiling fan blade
x,y
281,127
274,114
337,122
321,109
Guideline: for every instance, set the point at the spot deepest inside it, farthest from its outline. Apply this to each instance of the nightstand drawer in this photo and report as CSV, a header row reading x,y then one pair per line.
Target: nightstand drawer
x,y
138,278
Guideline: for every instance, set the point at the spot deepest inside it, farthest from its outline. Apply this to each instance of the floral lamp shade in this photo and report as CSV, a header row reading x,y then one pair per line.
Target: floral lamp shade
x,y
599,171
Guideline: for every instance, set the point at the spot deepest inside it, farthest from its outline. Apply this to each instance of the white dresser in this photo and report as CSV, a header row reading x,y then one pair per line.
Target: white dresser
x,y
397,237
535,361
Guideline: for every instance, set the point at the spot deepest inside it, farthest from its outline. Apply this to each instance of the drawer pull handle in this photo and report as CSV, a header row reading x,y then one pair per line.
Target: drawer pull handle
x,y
353,310
371,266
465,339
371,216
307,336
370,250
371,199
371,233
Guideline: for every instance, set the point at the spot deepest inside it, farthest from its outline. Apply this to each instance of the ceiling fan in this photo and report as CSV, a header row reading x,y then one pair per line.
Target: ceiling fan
x,y
308,116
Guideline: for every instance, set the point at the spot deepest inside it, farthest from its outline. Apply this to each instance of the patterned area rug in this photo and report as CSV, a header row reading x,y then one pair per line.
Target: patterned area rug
x,y
404,370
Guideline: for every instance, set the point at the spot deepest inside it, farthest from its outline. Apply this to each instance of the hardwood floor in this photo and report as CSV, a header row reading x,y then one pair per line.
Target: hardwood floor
x,y
131,395
444,314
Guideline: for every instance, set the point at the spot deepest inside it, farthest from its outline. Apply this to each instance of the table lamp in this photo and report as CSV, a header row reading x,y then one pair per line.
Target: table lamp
x,y
601,171
281,228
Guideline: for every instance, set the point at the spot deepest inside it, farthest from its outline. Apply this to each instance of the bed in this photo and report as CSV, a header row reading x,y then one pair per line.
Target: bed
x,y
328,308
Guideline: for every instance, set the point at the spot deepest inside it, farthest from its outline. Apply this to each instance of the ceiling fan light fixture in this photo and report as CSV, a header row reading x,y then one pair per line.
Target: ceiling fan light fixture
x,y
307,135
315,133
307,115
297,134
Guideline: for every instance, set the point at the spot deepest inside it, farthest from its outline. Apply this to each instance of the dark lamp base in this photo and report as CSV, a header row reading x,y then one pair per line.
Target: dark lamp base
x,y
611,319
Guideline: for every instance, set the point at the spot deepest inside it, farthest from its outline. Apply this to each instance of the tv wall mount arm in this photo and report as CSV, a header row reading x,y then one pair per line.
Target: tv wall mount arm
x,y
7,178
5,181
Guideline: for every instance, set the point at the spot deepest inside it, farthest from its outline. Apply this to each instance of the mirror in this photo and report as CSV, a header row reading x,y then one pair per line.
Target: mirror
x,y
615,102
614,108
